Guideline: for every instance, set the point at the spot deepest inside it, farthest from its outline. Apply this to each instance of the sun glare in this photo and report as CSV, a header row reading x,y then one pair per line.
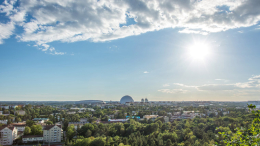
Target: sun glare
x,y
199,51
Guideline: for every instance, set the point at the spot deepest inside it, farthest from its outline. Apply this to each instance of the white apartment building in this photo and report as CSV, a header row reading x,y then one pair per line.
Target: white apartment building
x,y
8,135
19,126
32,138
52,133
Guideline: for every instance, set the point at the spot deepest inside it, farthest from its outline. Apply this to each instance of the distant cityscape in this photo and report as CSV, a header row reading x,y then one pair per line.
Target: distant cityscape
x,y
48,121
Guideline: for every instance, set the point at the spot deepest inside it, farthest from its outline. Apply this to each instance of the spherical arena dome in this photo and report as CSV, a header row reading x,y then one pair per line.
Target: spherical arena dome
x,y
125,99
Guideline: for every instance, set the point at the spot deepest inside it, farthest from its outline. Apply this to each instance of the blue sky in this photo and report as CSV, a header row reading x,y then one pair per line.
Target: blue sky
x,y
63,50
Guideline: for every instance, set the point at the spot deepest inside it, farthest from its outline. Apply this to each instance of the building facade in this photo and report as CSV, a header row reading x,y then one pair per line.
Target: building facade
x,y
52,133
20,112
32,138
7,135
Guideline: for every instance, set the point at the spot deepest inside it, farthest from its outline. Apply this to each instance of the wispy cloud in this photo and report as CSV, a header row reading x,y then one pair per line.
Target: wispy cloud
x,y
146,72
173,90
166,85
224,80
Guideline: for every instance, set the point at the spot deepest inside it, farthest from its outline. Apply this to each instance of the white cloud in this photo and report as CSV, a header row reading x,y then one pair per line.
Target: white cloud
x,y
146,72
172,90
224,80
6,31
71,21
253,83
166,85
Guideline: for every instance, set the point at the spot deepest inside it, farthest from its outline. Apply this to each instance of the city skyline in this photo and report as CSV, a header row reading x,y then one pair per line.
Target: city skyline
x,y
102,50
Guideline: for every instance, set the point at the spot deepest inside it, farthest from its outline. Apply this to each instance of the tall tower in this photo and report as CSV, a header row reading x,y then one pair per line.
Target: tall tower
x,y
146,100
142,100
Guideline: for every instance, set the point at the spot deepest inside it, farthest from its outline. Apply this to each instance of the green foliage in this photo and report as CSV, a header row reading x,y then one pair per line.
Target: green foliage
x,y
244,136
49,123
36,130
27,130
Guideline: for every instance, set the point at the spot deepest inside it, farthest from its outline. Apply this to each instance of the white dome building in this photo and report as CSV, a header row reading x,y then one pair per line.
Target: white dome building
x,y
125,99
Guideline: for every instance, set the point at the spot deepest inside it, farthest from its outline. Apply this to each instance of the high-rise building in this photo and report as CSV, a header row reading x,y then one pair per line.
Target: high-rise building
x,y
146,100
142,100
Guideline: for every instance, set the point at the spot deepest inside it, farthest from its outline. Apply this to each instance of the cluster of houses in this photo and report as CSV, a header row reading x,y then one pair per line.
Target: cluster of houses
x,y
9,133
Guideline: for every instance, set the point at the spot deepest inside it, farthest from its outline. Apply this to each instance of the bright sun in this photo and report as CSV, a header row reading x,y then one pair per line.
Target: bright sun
x,y
199,51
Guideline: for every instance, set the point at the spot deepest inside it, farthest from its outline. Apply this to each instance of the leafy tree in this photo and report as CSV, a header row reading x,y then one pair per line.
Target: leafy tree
x,y
49,123
30,123
36,129
245,136
27,130
71,132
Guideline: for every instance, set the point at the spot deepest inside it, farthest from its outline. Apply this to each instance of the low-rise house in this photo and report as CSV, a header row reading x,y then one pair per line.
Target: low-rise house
x,y
165,118
150,116
81,123
20,112
32,138
52,133
71,113
7,135
4,122
19,126
117,120
41,119
4,106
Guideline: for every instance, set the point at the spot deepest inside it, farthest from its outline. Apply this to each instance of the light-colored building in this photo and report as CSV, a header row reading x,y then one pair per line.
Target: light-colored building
x,y
71,113
7,135
166,119
52,133
19,126
20,112
1,112
4,122
81,123
150,116
117,120
32,138
40,120
4,106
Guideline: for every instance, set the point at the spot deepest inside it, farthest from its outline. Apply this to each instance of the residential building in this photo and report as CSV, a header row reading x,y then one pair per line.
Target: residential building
x,y
71,113
7,135
19,126
41,119
81,123
4,106
166,119
4,122
32,138
52,133
20,112
150,116
117,120
1,112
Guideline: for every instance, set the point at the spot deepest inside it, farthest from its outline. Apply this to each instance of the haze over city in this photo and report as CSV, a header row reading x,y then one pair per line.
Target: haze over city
x,y
63,50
